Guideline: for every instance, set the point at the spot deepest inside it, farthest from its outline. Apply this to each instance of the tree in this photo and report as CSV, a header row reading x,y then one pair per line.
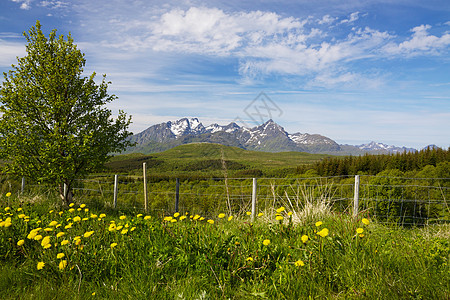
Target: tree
x,y
54,126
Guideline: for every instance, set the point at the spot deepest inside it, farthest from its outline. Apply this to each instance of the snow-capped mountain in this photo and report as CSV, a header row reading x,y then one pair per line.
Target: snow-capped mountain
x,y
374,146
270,137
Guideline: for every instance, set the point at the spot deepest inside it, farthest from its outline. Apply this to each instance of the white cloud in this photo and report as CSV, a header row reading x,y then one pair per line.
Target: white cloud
x,y
9,51
421,42
24,4
353,17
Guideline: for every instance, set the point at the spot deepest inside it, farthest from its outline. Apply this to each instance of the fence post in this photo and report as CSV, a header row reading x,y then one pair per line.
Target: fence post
x,y
177,194
116,183
255,184
22,188
65,192
144,170
356,197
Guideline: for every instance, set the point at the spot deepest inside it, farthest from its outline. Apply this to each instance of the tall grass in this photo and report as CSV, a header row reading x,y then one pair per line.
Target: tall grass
x,y
129,255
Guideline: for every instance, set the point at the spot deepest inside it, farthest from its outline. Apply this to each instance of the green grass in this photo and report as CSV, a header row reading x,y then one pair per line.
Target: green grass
x,y
206,158
193,259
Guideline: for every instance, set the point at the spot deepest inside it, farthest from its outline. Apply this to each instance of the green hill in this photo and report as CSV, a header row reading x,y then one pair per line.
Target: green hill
x,y
213,160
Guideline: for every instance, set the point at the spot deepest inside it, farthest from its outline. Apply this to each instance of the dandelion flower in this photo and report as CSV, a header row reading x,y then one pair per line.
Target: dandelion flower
x,y
113,245
147,217
196,217
230,218
71,210
266,242
38,237
323,233
122,217
168,219
365,221
279,218
119,227
94,216
20,243
318,223
21,216
299,263
46,246
359,230
248,213
281,209
361,235
93,294
176,214
289,213
139,215
53,223
210,221
77,219
86,209
102,215
305,238
83,205
68,226
249,258
124,231
260,214
40,265
88,234
221,216
132,228
60,255
71,204
182,218
48,229
77,242
202,218
8,194
62,264
112,227
65,242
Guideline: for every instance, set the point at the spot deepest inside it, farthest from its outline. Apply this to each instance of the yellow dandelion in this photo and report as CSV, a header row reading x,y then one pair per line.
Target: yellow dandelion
x,y
124,231
361,235
77,219
62,264
132,228
85,219
60,255
147,217
182,218
93,294
65,242
260,214
289,213
77,242
249,258
8,194
139,215
221,216
122,217
102,216
40,265
279,218
230,218
359,230
71,204
365,221
202,218
113,245
323,233
94,216
83,205
168,219
176,215
319,223
21,216
119,227
20,243
86,210
88,234
210,221
299,263
248,213
281,209
71,210
196,217
112,227
47,246
266,242
68,226
53,224
48,229
38,237
305,238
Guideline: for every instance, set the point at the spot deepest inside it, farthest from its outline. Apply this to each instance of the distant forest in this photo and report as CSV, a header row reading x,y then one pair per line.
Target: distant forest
x,y
406,162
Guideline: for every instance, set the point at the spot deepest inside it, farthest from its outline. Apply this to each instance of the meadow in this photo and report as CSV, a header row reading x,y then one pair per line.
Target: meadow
x,y
89,251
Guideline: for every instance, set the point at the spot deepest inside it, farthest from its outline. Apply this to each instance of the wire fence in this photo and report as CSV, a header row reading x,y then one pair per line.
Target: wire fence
x,y
404,201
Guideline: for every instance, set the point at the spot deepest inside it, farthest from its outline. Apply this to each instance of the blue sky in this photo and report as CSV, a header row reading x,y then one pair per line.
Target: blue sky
x,y
354,71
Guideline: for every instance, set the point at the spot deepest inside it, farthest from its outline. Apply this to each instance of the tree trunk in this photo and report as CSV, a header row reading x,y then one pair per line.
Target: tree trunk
x,y
65,193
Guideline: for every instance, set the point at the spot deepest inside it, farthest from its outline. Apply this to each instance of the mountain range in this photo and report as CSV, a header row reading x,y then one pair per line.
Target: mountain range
x,y
269,137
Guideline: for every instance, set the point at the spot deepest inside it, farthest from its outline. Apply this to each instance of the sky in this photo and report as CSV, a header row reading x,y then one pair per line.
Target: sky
x,y
354,71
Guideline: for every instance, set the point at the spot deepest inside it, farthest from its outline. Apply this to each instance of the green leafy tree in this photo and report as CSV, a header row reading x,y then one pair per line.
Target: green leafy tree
x,y
54,126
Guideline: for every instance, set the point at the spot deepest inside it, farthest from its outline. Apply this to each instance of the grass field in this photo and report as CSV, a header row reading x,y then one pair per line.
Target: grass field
x,y
84,251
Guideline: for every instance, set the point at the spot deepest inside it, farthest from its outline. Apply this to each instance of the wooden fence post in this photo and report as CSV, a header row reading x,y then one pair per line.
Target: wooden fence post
x,y
255,184
22,188
177,194
116,187
144,169
356,197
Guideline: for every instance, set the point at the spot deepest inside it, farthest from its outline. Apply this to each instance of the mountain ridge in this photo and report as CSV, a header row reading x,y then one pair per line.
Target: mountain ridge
x,y
267,137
